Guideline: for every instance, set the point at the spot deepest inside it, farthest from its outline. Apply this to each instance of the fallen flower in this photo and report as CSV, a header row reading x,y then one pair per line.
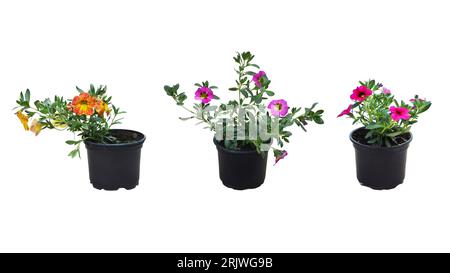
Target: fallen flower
x,y
23,119
36,127
347,111
279,155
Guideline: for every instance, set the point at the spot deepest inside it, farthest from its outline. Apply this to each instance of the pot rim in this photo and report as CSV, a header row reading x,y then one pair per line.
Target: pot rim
x,y
222,148
138,142
375,147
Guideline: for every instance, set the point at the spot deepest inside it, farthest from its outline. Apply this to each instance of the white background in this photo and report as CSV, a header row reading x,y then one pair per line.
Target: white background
x,y
311,50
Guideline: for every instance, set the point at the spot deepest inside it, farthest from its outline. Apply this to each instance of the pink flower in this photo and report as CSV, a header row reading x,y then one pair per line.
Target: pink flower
x,y
204,94
258,78
413,100
347,111
279,155
386,91
278,108
398,113
361,93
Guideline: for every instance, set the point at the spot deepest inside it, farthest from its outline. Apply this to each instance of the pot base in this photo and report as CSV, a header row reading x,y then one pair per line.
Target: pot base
x,y
114,187
380,188
239,187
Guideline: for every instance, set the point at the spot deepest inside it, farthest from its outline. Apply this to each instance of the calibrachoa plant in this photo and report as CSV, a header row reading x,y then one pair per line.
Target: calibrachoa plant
x,y
386,119
247,111
89,115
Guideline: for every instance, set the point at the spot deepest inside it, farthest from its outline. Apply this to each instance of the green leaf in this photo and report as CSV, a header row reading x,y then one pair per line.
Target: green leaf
x,y
181,98
425,107
74,153
92,89
73,142
169,90
258,98
270,93
374,126
369,134
244,92
395,134
318,120
27,95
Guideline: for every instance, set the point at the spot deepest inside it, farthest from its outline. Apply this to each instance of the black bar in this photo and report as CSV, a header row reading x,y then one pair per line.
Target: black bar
x,y
207,262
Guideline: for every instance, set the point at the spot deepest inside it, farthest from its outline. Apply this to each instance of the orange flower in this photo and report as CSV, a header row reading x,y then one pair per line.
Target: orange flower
x,y
83,104
36,127
24,119
101,107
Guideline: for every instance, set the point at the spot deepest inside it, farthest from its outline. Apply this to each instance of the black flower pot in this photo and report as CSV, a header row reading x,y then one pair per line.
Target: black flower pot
x,y
377,167
243,169
115,166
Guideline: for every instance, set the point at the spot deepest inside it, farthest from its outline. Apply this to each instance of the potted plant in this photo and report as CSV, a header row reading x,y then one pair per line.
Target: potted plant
x,y
245,128
381,144
113,154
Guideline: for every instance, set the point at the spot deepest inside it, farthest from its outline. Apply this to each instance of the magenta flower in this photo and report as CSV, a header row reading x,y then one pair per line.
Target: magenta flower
x,y
204,94
386,91
347,111
361,93
279,155
258,78
398,113
278,108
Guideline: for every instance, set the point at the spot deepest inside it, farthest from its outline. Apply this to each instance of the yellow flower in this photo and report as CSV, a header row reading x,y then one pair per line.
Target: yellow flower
x,y
36,127
24,119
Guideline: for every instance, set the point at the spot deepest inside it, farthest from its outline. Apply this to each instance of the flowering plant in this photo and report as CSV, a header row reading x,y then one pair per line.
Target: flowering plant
x,y
89,115
246,123
386,120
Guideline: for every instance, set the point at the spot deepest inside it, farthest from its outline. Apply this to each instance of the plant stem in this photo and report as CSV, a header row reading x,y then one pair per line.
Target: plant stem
x,y
189,110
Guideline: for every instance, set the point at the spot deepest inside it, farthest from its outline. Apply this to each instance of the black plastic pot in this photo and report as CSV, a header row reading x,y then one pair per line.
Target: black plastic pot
x,y
115,166
380,168
241,170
